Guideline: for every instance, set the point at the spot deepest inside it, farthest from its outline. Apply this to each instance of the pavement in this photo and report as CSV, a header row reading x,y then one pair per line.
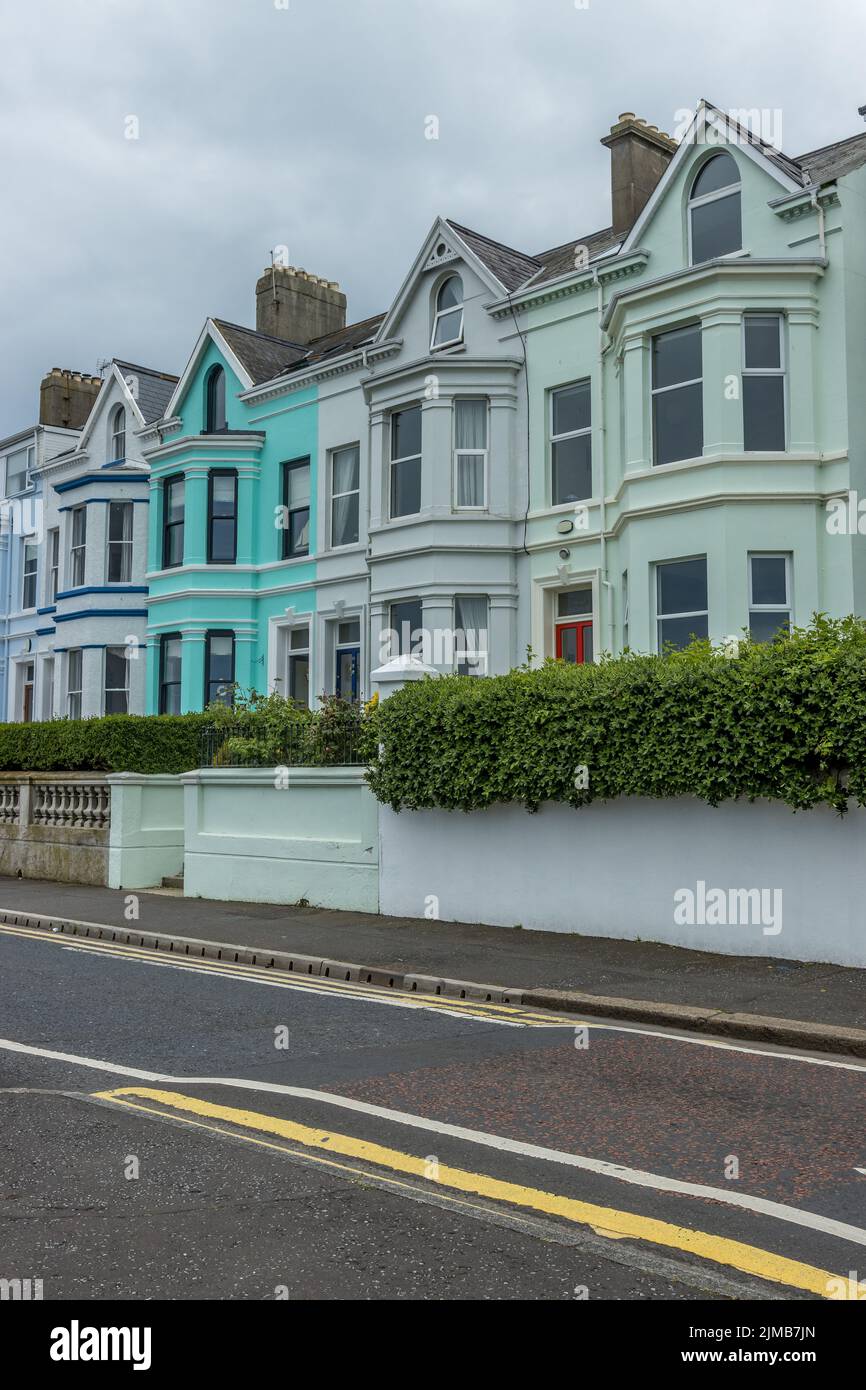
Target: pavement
x,y
190,1129
677,983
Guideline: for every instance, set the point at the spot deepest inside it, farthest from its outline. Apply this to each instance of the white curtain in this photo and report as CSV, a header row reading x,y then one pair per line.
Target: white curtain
x,y
471,425
470,617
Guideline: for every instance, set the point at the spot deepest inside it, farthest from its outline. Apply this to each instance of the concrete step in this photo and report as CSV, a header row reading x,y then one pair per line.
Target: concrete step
x,y
173,881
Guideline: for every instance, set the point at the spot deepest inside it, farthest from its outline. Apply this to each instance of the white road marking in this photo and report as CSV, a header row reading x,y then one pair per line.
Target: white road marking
x,y
380,995
635,1176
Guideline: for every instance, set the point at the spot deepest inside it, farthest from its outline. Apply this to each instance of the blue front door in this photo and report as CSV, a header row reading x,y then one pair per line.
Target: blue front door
x,y
348,662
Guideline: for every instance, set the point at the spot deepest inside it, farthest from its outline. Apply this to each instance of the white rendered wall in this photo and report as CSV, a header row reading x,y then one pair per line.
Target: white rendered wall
x,y
612,869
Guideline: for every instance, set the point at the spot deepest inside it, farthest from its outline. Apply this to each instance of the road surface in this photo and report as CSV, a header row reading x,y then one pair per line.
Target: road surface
x,y
200,1130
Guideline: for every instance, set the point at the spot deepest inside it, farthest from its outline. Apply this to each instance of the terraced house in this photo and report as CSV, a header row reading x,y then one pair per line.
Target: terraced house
x,y
90,580
696,377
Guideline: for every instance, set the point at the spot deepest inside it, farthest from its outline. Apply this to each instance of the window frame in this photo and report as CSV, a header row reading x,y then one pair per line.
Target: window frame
x,y
444,313
216,373
400,603
74,692
406,458
164,640
222,473
53,575
78,549
333,496
458,453
731,190
115,689
293,653
208,679
481,660
781,370
30,452
788,606
554,439
124,546
288,552
119,413
29,577
656,391
168,483
658,566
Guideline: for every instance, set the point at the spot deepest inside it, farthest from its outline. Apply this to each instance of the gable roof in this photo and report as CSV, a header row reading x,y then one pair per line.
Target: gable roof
x,y
510,267
154,388
261,355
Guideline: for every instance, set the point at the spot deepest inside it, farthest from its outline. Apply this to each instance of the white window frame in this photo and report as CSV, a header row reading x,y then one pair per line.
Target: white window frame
x,y
675,386
74,692
686,613
74,549
333,496
407,458
53,575
291,652
126,546
728,192
443,313
787,607
119,413
482,659
570,434
458,454
114,688
29,544
29,450
781,370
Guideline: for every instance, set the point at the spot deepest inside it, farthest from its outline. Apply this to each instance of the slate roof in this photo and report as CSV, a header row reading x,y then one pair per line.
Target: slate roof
x,y
347,339
263,357
834,161
560,260
511,267
154,388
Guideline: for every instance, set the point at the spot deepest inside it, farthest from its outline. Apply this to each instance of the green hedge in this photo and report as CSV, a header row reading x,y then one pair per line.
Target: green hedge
x,y
786,721
116,743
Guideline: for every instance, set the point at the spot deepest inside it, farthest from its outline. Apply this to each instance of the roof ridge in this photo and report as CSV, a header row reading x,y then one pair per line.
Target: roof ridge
x,y
148,371
491,241
255,333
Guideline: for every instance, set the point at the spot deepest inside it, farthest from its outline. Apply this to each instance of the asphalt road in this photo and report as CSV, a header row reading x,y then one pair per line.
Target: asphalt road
x,y
194,1131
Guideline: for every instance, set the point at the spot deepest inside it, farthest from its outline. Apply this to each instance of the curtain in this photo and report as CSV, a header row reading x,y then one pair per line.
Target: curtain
x,y
471,426
470,615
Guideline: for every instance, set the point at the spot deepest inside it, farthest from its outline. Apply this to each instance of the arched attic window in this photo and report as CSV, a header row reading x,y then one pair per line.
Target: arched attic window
x,y
215,406
448,318
118,434
715,222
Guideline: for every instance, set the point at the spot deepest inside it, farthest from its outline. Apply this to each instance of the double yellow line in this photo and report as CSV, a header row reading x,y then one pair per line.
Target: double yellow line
x,y
605,1221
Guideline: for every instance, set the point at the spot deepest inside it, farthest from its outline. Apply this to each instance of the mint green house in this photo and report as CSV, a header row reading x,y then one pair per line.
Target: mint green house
x,y
696,389
230,565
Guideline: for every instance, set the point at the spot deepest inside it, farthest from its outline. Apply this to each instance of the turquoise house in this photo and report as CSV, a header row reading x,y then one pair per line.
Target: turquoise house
x,y
231,567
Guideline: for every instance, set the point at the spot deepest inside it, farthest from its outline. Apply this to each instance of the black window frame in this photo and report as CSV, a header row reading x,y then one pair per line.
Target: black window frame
x,y
208,679
164,640
216,373
222,473
168,526
290,552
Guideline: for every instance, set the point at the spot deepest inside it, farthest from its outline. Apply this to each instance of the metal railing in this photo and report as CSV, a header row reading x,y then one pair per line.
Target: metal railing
x,y
307,744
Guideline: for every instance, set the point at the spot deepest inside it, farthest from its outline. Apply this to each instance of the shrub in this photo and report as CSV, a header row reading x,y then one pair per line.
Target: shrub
x,y
784,721
115,743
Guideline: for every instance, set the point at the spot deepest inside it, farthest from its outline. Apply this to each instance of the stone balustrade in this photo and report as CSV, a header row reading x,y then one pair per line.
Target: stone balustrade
x,y
55,825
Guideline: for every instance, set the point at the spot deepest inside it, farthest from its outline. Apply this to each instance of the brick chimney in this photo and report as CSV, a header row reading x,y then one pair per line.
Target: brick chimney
x,y
66,397
639,155
296,306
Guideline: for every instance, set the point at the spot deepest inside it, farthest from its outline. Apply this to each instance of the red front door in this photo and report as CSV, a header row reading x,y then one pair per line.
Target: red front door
x,y
574,642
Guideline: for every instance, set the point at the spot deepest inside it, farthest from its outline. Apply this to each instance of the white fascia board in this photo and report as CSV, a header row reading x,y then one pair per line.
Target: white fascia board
x,y
210,333
691,140
440,231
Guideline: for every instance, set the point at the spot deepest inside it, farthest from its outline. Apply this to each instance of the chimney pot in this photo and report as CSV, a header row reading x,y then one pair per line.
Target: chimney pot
x,y
66,397
297,306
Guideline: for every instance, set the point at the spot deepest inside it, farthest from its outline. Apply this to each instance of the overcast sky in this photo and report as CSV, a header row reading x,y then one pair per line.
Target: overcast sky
x,y
302,123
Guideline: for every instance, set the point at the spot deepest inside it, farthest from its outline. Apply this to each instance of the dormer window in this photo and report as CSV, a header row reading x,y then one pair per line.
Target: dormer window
x,y
715,223
215,411
118,435
448,321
